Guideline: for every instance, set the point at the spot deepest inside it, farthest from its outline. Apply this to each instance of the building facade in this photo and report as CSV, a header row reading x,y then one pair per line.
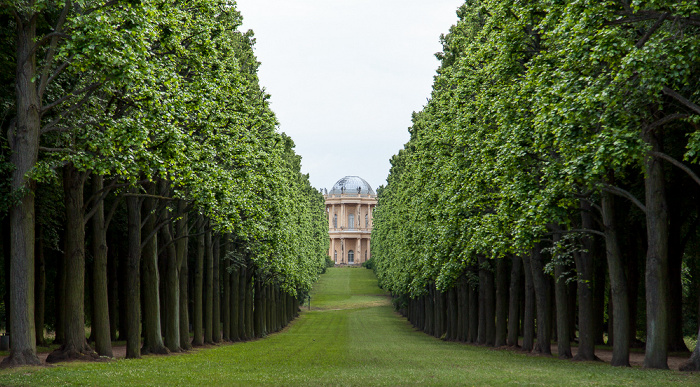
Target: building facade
x,y
349,205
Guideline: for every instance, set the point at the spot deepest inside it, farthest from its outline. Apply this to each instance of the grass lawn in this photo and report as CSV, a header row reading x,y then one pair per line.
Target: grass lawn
x,y
351,336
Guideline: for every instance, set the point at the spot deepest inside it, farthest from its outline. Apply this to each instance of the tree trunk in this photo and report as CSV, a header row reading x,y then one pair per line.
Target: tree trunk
x,y
113,291
529,312
208,287
501,302
487,301
100,298
258,307
561,299
235,303
250,332
40,287
675,306
182,247
133,278
541,285
452,314
657,259
152,332
618,284
24,143
216,288
473,314
516,288
226,301
198,321
74,346
242,308
171,290
584,270
463,310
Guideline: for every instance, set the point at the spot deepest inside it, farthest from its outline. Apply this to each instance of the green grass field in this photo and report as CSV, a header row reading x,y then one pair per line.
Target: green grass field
x,y
351,336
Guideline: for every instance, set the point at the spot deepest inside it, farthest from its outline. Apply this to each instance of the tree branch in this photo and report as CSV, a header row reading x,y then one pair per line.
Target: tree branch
x,y
87,89
675,95
625,194
52,50
651,30
677,164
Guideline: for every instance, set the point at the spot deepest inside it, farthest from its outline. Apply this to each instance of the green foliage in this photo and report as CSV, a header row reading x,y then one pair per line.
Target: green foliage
x,y
368,264
534,107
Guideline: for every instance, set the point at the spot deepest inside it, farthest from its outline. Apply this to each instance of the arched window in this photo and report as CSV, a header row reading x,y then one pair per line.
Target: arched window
x,y
335,256
335,220
365,255
351,257
351,221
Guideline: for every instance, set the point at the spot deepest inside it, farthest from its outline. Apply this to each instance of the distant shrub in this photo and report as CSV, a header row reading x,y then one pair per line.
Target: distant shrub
x,y
329,263
368,264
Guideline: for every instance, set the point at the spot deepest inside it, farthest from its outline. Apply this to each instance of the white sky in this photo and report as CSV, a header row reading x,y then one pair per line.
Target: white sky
x,y
345,76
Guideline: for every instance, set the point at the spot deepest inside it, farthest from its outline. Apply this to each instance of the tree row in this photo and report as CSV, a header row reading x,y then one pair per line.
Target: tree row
x,y
145,190
550,186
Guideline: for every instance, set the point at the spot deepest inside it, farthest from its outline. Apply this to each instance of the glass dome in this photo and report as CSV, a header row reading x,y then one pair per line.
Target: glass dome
x,y
350,185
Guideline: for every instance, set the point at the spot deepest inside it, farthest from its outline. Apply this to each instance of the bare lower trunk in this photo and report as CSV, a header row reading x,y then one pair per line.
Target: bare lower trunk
x,y
132,300
618,285
516,285
584,271
501,301
242,318
541,284
172,291
529,312
473,314
693,364
208,287
657,286
100,322
182,251
462,310
258,307
40,287
152,332
24,143
226,301
561,299
216,299
74,346
250,332
198,321
487,301
113,292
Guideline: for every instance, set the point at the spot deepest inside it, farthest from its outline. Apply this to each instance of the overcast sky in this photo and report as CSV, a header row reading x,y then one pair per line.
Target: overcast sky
x,y
345,76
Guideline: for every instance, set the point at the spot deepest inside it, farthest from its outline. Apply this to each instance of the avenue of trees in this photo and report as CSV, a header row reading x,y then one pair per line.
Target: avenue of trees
x,y
550,189
144,190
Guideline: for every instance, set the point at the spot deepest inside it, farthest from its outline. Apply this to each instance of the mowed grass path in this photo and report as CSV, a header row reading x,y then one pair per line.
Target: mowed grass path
x,y
351,336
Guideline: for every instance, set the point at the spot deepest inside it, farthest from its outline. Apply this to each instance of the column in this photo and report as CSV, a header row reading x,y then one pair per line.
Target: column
x,y
332,254
358,250
369,250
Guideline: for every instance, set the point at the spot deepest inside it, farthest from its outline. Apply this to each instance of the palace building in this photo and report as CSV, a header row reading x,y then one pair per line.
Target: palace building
x,y
349,206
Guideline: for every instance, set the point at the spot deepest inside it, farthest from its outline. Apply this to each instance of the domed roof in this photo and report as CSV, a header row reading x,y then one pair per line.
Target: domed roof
x,y
350,184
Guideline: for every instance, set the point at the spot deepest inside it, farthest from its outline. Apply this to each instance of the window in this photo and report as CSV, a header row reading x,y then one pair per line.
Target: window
x,y
366,220
351,257
335,256
365,255
335,220
351,221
